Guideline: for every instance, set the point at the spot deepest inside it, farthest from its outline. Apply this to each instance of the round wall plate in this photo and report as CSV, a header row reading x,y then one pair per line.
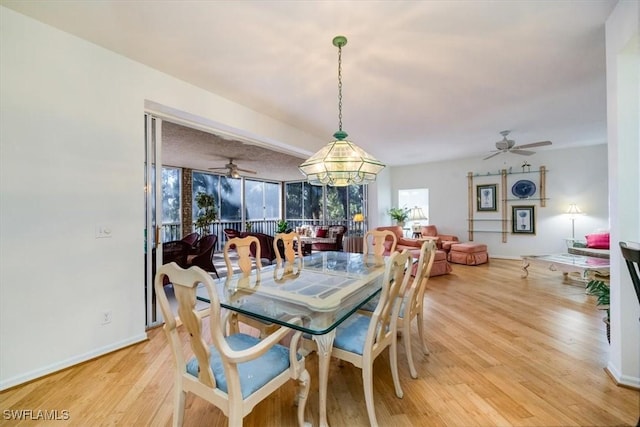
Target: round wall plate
x,y
523,189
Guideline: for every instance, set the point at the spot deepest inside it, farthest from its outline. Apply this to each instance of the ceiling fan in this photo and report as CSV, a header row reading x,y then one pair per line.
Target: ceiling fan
x,y
233,171
509,146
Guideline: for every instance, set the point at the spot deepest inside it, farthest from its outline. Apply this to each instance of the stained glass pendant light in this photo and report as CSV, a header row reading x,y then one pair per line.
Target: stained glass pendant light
x,y
341,163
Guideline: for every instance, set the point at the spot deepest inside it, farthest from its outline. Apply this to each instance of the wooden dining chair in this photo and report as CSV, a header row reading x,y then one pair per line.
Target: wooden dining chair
x,y
291,256
292,246
412,305
361,338
241,249
235,372
379,242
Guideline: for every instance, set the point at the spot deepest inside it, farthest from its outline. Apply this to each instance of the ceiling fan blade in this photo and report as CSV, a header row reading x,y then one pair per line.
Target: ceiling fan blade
x,y
246,171
492,155
218,169
522,152
533,144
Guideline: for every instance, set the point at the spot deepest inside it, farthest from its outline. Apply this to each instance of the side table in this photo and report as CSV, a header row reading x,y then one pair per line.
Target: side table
x,y
352,244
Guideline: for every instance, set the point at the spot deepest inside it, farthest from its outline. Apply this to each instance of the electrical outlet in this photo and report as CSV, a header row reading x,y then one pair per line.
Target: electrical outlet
x,y
106,317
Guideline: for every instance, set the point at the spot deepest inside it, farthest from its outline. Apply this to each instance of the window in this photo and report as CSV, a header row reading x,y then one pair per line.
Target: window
x,y
417,197
170,195
307,203
262,200
204,183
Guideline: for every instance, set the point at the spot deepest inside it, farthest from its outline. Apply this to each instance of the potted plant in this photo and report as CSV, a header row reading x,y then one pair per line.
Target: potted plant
x,y
600,290
399,215
207,213
282,226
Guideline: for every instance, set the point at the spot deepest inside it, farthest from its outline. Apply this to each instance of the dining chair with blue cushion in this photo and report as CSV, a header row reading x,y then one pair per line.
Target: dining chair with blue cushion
x,y
244,247
412,302
412,305
361,338
236,372
288,250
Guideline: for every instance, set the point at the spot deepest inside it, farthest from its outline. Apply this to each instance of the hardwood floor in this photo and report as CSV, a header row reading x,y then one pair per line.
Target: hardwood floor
x,y
505,351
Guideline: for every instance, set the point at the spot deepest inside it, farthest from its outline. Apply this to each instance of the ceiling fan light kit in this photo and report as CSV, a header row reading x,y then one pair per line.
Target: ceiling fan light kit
x,y
509,146
233,171
341,162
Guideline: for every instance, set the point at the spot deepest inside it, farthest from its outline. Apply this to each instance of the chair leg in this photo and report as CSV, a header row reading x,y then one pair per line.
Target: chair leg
x,y
178,408
393,353
367,384
304,381
406,338
425,349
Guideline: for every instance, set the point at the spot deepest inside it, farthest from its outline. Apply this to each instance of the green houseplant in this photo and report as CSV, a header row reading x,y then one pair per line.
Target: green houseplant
x,y
600,290
399,215
207,213
282,226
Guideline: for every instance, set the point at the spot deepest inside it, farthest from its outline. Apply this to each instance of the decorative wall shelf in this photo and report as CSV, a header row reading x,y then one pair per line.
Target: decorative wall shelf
x,y
504,199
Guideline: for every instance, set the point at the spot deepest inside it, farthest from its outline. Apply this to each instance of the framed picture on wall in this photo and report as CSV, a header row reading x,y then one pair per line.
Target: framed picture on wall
x,y
523,220
486,197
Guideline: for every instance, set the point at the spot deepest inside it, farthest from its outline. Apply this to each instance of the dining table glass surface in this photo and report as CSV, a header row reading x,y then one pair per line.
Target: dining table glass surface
x,y
322,289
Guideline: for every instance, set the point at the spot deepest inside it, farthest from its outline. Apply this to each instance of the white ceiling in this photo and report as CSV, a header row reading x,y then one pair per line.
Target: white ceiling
x,y
423,80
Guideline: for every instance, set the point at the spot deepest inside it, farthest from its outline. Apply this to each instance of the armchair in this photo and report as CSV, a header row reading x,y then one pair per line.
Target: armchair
x,y
402,242
440,264
443,241
203,256
266,245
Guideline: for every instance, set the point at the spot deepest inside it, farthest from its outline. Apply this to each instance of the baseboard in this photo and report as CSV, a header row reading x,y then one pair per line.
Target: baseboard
x,y
622,380
47,370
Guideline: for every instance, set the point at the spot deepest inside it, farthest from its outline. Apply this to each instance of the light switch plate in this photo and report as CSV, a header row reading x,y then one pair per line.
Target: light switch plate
x,y
103,232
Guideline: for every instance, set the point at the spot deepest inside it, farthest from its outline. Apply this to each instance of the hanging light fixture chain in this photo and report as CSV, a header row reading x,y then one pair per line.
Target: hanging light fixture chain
x,y
340,88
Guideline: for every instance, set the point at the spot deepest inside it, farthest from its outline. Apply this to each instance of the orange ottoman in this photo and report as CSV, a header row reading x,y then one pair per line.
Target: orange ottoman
x,y
468,253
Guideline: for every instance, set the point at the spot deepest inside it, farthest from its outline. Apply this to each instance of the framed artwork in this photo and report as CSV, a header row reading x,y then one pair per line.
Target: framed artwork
x,y
523,220
486,197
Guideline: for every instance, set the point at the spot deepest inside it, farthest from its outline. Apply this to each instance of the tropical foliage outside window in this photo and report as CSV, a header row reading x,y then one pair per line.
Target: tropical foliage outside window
x,y
306,202
170,195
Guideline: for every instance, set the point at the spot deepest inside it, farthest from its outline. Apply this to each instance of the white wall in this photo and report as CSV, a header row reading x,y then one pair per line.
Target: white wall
x,y
573,176
72,157
623,125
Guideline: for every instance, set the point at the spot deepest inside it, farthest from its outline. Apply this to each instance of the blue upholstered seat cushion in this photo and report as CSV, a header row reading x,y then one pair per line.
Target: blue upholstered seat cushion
x,y
371,305
351,334
253,374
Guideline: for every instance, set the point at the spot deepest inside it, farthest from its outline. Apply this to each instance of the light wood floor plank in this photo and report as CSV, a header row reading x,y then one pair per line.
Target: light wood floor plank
x,y
505,351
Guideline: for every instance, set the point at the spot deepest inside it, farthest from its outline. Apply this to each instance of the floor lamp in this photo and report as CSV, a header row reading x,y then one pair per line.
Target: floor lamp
x,y
573,212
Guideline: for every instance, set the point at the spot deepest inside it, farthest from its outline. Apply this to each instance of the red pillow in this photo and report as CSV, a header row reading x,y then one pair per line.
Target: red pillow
x,y
598,241
321,233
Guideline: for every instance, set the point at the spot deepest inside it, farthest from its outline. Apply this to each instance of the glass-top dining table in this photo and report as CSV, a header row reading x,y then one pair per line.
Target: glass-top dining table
x,y
322,289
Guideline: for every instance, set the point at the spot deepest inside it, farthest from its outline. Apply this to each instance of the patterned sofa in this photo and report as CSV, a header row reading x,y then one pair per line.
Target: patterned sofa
x,y
323,237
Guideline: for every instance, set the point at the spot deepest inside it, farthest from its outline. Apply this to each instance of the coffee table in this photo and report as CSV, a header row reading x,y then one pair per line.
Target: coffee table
x,y
586,266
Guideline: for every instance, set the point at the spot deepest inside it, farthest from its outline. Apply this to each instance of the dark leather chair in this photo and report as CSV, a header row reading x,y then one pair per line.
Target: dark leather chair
x,y
203,256
191,239
266,246
176,251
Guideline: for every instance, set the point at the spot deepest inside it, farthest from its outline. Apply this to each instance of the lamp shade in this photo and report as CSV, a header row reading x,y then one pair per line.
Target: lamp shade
x,y
416,214
574,210
341,163
358,217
